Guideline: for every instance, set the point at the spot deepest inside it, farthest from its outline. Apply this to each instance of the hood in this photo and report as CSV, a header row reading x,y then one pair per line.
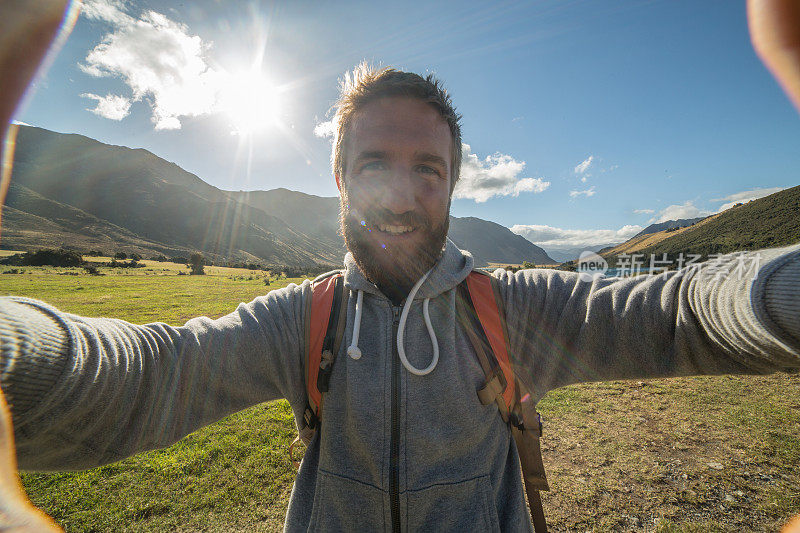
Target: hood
x,y
451,269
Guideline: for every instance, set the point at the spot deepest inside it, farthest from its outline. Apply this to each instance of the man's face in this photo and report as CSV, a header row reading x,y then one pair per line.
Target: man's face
x,y
395,191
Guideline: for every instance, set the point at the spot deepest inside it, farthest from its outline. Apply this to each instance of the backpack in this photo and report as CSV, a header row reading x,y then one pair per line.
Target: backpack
x,y
480,312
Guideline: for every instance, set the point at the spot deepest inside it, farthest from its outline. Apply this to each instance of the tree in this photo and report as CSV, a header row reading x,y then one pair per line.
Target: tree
x,y
528,264
196,263
121,255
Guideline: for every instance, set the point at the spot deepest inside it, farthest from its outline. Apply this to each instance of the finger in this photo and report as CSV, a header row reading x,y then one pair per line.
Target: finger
x,y
793,526
27,28
17,513
775,33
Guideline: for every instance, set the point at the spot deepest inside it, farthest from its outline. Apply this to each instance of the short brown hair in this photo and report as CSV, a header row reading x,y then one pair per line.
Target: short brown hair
x,y
366,84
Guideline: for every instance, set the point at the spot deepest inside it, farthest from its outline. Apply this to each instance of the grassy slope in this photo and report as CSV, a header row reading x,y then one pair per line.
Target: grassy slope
x,y
764,223
651,239
622,456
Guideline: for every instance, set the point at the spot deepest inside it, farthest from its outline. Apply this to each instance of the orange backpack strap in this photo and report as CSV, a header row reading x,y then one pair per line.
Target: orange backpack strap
x,y
481,312
325,321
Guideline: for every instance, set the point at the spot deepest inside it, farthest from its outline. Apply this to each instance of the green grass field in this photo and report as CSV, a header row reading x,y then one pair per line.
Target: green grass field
x,y
692,454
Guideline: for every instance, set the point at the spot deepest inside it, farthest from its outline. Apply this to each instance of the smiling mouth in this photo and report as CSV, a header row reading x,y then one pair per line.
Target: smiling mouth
x,y
390,229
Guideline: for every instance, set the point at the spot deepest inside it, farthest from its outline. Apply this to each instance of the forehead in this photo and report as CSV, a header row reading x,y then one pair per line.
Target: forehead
x,y
399,124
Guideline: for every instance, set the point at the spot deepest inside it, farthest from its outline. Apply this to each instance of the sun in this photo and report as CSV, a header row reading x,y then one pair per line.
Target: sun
x,y
250,101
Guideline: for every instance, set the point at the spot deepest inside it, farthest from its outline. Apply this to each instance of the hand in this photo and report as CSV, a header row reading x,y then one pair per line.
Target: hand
x,y
775,33
27,29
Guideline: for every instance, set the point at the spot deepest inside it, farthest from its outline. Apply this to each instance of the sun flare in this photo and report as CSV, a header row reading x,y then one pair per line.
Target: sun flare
x,y
251,102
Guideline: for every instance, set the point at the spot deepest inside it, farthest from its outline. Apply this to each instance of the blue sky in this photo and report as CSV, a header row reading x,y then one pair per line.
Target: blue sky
x,y
585,120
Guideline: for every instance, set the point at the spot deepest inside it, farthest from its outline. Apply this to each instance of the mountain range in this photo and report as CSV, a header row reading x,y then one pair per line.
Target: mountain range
x,y
767,222
668,225
70,190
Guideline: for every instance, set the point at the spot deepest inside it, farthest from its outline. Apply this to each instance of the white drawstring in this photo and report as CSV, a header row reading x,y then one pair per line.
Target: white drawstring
x,y
401,351
354,351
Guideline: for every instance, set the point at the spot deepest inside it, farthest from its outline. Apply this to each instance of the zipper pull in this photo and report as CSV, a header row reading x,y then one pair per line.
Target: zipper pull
x,y
396,311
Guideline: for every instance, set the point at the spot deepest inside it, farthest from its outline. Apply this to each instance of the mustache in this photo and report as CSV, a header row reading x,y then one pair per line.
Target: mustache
x,y
374,217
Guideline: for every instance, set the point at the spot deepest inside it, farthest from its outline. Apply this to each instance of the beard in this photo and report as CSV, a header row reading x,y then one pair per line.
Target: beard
x,y
392,267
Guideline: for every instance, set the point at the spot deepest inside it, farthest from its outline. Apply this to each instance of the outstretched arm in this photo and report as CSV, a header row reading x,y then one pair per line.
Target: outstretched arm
x,y
565,330
89,391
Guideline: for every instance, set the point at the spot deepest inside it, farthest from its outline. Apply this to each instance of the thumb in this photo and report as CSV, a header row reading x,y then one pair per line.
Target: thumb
x,y
793,526
775,33
17,514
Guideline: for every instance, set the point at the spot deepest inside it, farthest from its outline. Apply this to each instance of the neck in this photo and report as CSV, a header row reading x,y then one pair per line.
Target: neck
x,y
395,292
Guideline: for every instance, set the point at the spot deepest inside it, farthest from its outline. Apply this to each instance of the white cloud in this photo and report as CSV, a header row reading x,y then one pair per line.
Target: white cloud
x,y
158,59
644,211
745,196
106,10
110,106
551,238
584,165
678,211
496,175
586,192
325,129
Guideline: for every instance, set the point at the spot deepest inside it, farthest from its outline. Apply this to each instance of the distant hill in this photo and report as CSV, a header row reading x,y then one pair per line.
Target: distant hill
x,y
489,241
641,240
668,225
70,190
153,199
770,221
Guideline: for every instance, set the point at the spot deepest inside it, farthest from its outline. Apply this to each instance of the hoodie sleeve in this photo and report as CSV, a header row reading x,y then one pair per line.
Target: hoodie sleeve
x,y
737,314
90,391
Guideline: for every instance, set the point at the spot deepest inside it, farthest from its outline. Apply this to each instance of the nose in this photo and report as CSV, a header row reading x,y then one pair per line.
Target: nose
x,y
398,195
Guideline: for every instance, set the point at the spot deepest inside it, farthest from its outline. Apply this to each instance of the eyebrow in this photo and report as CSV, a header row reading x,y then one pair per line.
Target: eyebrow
x,y
373,154
426,157
422,157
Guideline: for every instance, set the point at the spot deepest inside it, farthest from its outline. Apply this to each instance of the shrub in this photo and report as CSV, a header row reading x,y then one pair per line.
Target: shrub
x,y
122,264
92,270
120,255
196,262
59,258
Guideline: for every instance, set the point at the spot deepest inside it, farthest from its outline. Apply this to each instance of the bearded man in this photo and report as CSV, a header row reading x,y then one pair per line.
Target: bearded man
x,y
399,448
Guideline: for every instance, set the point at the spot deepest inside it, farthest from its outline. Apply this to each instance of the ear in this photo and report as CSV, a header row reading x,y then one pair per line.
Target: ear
x,y
338,182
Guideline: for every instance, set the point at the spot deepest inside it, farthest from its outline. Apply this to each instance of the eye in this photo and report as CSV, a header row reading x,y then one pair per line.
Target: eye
x,y
428,171
373,166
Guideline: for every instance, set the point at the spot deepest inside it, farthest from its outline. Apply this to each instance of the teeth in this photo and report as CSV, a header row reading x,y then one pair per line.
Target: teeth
x,y
395,230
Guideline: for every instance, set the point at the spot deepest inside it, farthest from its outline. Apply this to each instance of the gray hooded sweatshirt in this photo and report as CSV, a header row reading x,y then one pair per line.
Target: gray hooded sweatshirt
x,y
395,451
